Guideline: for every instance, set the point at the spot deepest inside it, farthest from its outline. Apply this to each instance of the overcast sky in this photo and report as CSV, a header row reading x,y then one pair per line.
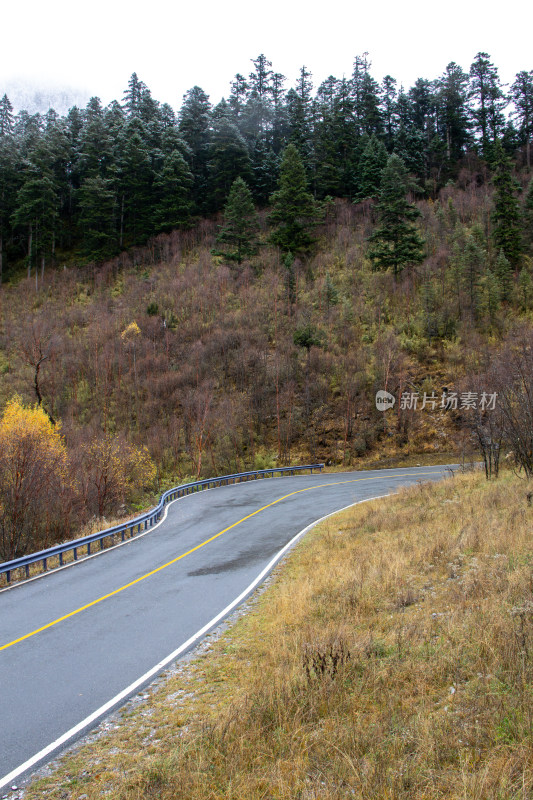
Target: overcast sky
x,y
94,47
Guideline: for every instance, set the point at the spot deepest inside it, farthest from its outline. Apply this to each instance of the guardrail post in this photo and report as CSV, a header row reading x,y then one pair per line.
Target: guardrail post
x,y
146,521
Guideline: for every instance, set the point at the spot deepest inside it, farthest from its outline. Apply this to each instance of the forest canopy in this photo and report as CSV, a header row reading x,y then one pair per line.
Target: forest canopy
x,y
104,178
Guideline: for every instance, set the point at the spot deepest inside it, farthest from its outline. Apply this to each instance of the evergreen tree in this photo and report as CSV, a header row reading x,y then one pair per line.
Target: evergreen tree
x,y
28,129
453,108
326,177
371,121
360,68
238,95
493,294
486,89
507,234
241,223
343,134
300,112
98,205
396,242
95,147
259,105
522,95
504,275
265,168
172,194
133,95
167,117
36,212
280,125
294,210
9,184
228,159
6,117
135,177
193,126
525,289
388,104
471,255
370,168
148,108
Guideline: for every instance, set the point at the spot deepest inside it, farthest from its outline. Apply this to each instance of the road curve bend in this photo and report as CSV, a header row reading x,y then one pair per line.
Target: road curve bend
x,y
77,642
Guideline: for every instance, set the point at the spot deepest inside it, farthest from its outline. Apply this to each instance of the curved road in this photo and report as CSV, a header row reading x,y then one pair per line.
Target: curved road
x,y
78,641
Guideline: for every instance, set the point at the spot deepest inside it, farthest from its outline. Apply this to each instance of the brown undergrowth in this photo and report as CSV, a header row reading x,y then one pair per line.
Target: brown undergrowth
x,y
392,658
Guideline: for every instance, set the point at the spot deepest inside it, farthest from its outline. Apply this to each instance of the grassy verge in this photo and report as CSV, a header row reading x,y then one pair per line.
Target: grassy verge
x,y
391,658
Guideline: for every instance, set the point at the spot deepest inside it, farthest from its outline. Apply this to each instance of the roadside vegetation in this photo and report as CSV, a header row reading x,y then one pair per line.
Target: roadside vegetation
x,y
390,658
228,288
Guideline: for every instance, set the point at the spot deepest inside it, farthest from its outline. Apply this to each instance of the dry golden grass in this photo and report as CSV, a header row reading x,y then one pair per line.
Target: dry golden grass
x,y
392,658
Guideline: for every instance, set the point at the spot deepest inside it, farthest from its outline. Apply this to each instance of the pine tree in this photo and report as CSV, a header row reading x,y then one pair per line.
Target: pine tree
x,y
9,183
95,148
396,242
493,294
370,168
265,168
452,99
280,125
237,98
135,182
132,95
472,258
6,117
504,275
388,104
294,210
241,223
486,89
36,212
172,194
522,95
228,160
193,126
507,234
98,206
259,105
371,120
343,135
326,176
300,112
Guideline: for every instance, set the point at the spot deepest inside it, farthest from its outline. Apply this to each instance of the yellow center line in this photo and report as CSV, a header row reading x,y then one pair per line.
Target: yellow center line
x,y
198,547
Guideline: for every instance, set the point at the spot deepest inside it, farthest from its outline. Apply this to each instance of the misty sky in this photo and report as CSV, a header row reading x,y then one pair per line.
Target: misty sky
x,y
94,47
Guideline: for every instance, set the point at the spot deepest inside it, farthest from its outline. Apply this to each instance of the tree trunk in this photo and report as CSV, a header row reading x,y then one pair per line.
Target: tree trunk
x,y
121,240
30,240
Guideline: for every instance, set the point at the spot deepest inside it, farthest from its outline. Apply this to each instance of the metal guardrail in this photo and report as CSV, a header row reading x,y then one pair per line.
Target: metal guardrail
x,y
142,523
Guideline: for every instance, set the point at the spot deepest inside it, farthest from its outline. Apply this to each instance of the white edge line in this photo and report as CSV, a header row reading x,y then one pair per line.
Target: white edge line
x,y
83,559
46,751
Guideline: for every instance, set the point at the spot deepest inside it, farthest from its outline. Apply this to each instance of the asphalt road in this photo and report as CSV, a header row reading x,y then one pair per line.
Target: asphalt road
x,y
76,642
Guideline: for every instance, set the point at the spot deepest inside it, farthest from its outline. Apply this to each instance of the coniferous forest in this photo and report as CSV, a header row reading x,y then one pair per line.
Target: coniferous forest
x,y
103,179
229,285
